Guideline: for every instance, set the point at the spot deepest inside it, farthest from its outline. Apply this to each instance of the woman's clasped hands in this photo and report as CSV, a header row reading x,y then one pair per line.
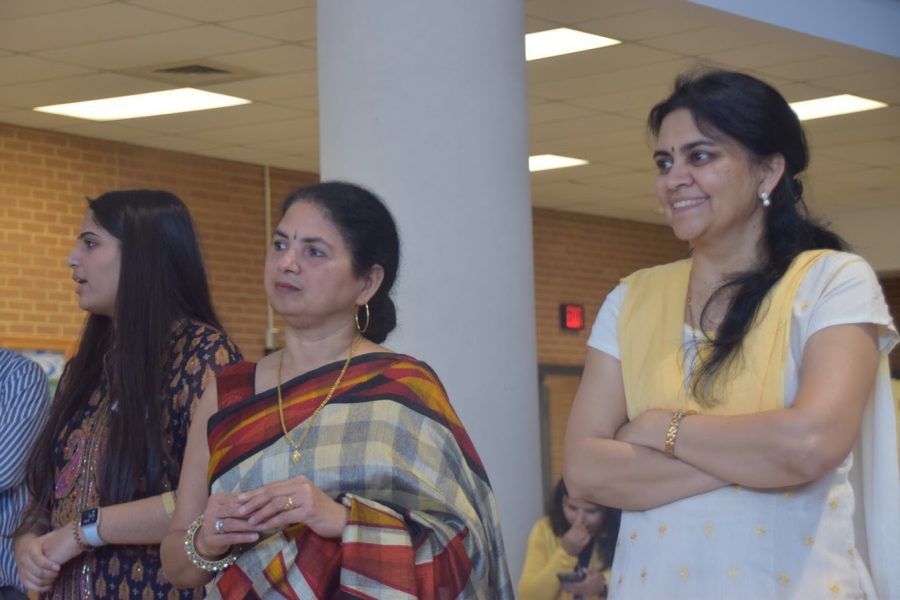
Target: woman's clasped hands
x,y
236,519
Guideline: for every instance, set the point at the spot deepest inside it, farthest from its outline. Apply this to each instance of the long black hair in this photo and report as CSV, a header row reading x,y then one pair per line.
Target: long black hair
x,y
755,115
607,533
162,282
369,231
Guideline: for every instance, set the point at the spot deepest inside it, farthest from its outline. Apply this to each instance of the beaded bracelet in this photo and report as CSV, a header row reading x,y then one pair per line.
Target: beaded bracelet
x,y
85,547
207,565
672,433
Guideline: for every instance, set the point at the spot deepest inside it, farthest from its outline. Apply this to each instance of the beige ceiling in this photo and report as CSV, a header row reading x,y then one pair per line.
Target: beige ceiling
x,y
591,105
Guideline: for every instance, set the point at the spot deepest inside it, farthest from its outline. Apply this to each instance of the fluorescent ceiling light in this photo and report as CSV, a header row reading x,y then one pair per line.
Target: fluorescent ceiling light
x,y
545,162
833,105
143,105
554,42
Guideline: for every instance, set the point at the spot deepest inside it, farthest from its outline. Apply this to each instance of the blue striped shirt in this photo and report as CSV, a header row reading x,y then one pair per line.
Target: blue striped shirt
x,y
23,409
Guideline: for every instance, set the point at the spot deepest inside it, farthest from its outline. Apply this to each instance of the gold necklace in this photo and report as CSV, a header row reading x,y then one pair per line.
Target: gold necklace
x,y
295,455
690,308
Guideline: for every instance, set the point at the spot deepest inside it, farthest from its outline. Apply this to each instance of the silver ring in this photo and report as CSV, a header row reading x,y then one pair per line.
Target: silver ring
x,y
220,526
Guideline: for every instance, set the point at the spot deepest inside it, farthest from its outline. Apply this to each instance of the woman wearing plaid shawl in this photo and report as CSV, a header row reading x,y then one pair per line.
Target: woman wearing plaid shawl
x,y
334,467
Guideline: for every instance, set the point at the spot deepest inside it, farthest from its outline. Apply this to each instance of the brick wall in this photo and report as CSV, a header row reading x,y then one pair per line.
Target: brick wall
x,y
891,287
44,180
579,259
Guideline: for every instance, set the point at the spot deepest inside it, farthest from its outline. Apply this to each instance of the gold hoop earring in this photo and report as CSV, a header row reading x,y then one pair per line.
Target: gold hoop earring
x,y
368,319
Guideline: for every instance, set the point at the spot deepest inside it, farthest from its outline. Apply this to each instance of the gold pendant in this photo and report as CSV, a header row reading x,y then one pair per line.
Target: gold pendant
x,y
295,456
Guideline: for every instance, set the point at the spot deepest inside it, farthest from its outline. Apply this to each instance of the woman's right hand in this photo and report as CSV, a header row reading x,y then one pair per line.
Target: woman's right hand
x,y
37,572
211,544
594,584
576,538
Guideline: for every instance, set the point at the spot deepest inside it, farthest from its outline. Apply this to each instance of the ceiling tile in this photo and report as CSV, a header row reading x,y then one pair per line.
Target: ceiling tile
x,y
645,24
217,11
273,87
22,68
175,143
594,62
703,42
218,119
13,9
289,26
555,111
74,89
261,132
816,68
571,13
109,21
284,58
186,45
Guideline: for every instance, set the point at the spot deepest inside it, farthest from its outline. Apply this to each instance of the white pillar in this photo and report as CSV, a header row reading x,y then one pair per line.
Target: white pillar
x,y
425,103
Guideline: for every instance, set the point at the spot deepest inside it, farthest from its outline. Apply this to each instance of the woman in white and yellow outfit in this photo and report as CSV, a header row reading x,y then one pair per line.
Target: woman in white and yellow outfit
x,y
723,394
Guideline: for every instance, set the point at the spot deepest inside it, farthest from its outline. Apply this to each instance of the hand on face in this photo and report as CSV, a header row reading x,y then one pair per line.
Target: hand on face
x,y
576,538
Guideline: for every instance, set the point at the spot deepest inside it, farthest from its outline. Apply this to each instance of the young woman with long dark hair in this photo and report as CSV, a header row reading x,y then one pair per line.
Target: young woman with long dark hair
x,y
104,471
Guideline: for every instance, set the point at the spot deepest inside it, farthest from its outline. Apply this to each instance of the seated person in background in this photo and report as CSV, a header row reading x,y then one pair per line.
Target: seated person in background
x,y
23,409
574,537
334,467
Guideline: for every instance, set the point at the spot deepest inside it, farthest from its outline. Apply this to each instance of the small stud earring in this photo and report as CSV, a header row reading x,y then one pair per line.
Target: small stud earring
x,y
764,197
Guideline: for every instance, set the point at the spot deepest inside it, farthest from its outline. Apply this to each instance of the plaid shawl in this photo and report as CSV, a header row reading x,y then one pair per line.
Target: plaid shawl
x,y
423,522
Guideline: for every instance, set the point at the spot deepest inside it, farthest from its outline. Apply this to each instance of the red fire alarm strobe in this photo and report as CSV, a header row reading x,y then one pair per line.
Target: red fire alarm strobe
x,y
571,317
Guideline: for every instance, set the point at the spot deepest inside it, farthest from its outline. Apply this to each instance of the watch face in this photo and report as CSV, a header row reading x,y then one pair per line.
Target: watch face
x,y
89,517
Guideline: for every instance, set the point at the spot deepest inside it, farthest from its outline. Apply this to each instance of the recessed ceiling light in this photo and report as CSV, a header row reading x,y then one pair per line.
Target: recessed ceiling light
x,y
554,42
144,105
833,105
545,162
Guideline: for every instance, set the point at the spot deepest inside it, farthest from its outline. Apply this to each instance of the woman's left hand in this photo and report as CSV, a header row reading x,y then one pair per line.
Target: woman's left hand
x,y
60,545
283,503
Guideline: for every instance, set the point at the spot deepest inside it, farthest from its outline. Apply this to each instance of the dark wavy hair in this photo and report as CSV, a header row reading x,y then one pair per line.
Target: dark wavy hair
x,y
755,115
604,540
369,231
162,282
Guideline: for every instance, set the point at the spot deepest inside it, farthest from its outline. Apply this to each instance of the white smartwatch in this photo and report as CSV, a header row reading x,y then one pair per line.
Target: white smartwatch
x,y
90,527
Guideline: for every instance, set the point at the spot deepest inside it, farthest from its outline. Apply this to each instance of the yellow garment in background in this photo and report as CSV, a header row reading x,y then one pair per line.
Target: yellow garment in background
x,y
652,349
544,558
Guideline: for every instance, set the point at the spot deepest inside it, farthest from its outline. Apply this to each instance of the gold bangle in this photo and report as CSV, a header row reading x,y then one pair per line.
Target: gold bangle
x,y
207,565
672,433
168,501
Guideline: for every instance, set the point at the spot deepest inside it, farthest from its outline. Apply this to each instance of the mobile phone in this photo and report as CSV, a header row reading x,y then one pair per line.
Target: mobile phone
x,y
572,576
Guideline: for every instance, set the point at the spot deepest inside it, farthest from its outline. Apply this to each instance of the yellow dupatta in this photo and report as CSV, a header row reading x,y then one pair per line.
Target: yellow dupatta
x,y
651,344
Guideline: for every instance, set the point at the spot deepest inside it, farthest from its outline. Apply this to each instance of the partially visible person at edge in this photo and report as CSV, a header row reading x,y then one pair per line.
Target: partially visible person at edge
x,y
104,471
335,467
23,408
777,338
574,535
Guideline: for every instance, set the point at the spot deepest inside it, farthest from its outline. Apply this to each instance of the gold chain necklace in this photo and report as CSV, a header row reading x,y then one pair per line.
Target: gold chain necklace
x,y
295,455
690,308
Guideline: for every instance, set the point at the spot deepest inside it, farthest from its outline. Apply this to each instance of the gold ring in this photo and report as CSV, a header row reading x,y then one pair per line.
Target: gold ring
x,y
289,505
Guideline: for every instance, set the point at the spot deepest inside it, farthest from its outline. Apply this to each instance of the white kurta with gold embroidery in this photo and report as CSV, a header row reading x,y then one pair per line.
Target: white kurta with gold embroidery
x,y
734,542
